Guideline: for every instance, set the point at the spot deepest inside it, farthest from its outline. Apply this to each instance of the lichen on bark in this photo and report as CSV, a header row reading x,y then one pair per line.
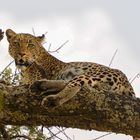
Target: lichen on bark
x,y
87,110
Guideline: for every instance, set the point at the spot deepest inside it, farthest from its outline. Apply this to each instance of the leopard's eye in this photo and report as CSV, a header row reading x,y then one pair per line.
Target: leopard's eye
x,y
15,43
31,45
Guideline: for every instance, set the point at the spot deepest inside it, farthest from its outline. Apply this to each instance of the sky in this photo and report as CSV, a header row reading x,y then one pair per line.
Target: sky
x,y
95,30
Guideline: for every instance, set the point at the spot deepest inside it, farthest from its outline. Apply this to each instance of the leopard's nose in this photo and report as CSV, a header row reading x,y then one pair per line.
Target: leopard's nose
x,y
21,61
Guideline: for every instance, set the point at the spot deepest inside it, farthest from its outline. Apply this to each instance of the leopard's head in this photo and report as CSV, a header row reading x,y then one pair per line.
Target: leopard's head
x,y
24,48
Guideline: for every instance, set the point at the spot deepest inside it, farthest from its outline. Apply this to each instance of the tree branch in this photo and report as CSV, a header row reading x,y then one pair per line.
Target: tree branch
x,y
87,110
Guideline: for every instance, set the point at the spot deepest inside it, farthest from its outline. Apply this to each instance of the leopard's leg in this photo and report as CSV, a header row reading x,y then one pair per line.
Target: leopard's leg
x,y
72,88
63,96
48,86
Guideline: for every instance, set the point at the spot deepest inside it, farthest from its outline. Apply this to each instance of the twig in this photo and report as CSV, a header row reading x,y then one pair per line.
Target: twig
x,y
54,135
42,128
136,76
57,50
102,136
45,33
33,31
63,131
6,67
49,48
113,57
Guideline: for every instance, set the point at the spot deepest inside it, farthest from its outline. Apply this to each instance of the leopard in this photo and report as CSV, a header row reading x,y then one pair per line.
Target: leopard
x,y
36,63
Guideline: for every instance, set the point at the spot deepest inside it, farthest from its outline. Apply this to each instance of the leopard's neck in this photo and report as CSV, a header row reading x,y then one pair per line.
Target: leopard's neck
x,y
51,65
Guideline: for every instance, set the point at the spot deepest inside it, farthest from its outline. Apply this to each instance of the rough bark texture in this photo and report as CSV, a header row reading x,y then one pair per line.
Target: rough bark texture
x,y
87,110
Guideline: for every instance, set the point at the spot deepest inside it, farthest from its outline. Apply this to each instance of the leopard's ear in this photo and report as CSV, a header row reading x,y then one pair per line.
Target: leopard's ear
x,y
40,39
10,33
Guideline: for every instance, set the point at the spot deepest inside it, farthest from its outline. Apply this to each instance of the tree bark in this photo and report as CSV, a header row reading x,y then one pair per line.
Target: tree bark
x,y
89,110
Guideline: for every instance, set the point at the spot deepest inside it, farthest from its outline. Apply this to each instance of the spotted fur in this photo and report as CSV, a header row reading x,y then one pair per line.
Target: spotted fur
x,y
36,63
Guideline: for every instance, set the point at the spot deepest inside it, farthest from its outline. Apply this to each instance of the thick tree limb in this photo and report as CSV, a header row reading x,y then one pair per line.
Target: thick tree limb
x,y
87,110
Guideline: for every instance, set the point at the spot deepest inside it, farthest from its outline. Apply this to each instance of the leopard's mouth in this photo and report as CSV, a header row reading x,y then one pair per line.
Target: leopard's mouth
x,y
22,64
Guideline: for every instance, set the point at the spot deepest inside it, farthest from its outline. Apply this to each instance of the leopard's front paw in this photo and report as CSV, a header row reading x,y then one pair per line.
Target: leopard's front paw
x,y
38,86
51,101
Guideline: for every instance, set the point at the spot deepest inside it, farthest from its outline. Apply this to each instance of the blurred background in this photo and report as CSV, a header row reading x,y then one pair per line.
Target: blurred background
x,y
96,29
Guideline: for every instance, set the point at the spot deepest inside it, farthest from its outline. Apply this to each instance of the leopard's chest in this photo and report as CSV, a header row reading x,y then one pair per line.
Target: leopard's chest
x,y
32,73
